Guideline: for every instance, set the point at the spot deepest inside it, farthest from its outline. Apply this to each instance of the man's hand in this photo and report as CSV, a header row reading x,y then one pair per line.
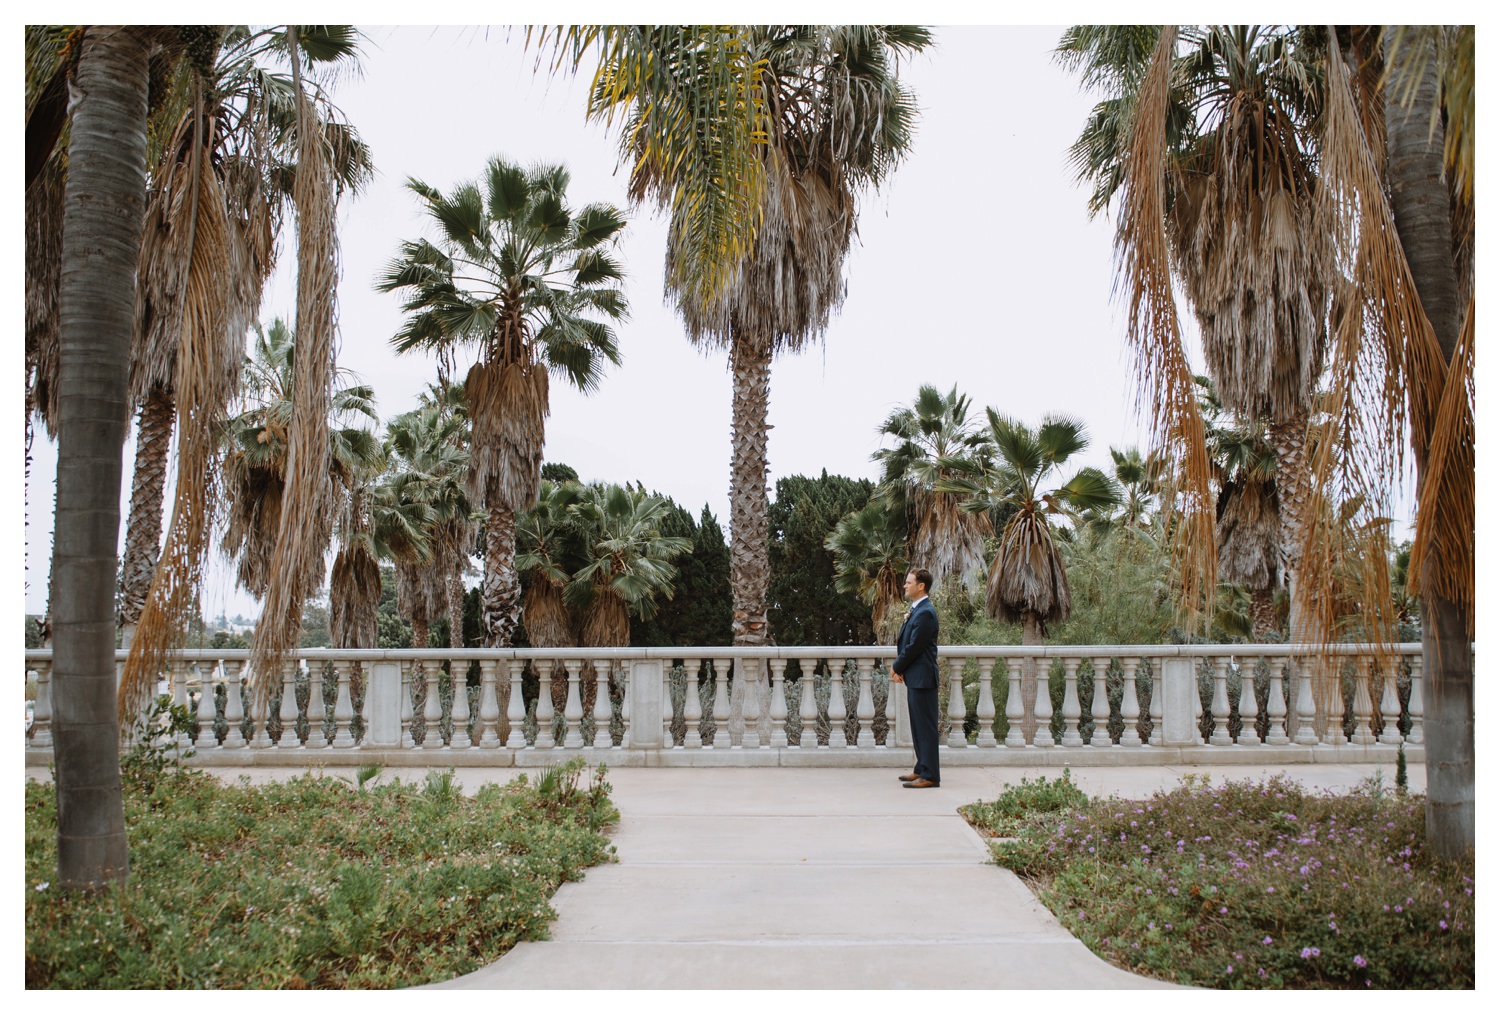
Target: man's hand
x,y
897,678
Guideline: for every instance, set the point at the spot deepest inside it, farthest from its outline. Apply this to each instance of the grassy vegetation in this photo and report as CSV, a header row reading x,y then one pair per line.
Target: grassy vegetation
x,y
1247,885
315,882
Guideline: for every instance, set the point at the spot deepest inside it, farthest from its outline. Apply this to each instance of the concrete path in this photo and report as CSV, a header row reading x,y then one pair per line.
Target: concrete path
x,y
819,879
778,878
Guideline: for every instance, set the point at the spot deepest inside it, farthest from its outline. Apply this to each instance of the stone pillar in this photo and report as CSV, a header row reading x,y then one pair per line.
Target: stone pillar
x,y
644,690
1179,694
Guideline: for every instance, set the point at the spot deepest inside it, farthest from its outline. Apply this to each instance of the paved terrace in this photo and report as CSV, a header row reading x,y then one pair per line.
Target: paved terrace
x,y
777,878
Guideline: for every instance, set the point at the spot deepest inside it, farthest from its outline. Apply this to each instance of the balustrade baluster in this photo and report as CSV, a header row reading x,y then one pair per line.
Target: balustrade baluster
x,y
458,680
747,683
234,706
317,712
288,713
1099,704
1276,710
432,712
1390,705
545,711
1015,708
260,705
208,707
957,712
604,712
668,711
1249,710
487,728
1307,709
178,674
721,704
573,706
1220,704
692,706
411,676
1333,705
778,702
1363,705
41,716
1157,737
1043,709
808,707
515,705
1415,707
984,710
891,691
626,729
1130,705
1072,711
838,711
864,706
343,705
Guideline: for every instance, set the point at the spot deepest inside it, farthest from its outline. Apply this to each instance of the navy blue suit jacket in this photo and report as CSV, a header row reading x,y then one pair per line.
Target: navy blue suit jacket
x,y
916,647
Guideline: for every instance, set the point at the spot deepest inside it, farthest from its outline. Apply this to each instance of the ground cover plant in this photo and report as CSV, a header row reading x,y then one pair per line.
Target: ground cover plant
x,y
1251,884
314,882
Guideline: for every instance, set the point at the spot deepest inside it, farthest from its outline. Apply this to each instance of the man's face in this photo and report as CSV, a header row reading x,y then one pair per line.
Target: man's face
x,y
914,589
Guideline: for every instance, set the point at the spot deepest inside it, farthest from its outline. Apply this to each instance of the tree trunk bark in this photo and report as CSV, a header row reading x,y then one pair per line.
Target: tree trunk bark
x,y
148,488
1294,497
1031,634
455,590
1262,614
104,203
749,507
501,588
1419,202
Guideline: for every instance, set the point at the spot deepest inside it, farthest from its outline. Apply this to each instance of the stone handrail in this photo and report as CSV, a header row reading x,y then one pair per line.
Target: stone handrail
x,y
690,706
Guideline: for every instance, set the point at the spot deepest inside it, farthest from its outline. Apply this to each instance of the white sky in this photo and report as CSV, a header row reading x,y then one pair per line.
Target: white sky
x,y
976,265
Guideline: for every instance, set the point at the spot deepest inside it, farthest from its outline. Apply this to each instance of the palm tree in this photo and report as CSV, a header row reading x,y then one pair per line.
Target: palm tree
x,y
937,446
429,443
835,119
104,198
869,552
216,202
1140,481
257,451
1249,523
530,282
1027,580
1248,236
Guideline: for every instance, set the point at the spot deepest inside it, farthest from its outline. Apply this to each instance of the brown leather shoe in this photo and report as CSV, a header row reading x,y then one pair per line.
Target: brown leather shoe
x,y
921,784
909,777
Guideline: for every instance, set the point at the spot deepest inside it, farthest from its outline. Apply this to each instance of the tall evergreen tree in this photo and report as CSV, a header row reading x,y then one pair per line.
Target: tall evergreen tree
x,y
806,607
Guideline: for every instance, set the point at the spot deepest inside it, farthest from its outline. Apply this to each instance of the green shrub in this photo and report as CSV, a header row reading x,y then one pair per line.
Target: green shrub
x,y
1256,885
1019,805
312,882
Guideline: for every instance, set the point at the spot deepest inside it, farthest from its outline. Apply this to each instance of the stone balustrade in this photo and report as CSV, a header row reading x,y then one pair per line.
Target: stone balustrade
x,y
817,706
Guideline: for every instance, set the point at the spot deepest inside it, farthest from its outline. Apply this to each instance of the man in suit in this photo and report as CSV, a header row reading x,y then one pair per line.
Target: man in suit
x,y
916,667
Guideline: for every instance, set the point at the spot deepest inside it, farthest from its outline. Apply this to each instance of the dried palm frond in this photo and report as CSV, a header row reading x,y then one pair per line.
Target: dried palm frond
x,y
203,388
307,510
508,410
1249,533
1028,576
353,597
1163,375
606,622
43,262
1387,370
548,621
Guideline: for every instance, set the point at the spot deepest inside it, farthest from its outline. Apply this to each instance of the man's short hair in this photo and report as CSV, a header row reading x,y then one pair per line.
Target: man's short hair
x,y
922,575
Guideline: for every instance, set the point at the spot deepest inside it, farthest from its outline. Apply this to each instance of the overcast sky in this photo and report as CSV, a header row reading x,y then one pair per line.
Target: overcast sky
x,y
976,266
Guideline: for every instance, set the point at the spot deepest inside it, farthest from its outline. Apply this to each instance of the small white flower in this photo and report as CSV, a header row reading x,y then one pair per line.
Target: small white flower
x,y
44,886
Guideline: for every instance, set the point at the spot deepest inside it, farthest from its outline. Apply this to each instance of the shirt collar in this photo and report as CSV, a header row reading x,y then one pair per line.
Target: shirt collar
x,y
919,602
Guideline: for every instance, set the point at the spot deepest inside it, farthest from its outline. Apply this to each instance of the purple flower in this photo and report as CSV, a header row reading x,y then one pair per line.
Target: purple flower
x,y
1267,940
1443,924
1359,960
1310,953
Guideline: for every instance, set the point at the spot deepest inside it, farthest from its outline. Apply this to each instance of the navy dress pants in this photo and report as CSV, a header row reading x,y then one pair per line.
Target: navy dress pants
x,y
922,706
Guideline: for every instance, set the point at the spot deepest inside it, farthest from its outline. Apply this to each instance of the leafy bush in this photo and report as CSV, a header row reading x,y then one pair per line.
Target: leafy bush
x,y
1020,805
312,882
1255,885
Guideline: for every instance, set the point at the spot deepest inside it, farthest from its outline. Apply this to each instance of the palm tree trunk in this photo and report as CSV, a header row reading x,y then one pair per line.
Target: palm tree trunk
x,y
143,530
104,203
1031,634
455,590
1288,439
1262,614
749,508
501,588
1419,201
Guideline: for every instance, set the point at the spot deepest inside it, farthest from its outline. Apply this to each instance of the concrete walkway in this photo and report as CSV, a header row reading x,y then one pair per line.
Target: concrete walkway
x,y
776,878
820,879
